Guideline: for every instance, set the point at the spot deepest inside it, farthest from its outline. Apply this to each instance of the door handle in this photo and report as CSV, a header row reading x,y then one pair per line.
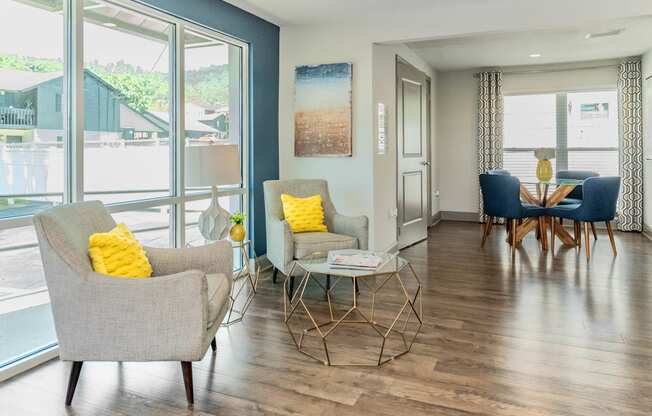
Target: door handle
x,y
424,163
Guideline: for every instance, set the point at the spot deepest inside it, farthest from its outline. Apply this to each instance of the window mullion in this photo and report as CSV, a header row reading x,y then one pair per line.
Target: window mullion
x,y
178,66
74,102
562,131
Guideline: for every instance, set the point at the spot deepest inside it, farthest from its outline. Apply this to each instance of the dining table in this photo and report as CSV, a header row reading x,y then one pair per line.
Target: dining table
x,y
546,194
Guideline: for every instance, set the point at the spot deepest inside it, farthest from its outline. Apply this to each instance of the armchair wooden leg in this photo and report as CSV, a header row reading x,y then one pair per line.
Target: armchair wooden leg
x,y
595,234
75,370
291,288
487,229
611,237
328,285
186,368
586,240
214,345
274,275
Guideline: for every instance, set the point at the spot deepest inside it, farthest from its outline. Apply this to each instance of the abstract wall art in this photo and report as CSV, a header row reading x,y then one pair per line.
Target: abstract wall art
x,y
322,110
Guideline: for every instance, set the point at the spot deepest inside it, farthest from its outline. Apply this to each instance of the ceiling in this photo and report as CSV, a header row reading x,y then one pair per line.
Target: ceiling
x,y
554,45
305,12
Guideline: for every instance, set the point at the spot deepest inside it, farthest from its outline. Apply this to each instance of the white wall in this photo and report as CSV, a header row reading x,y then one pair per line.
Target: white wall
x,y
349,178
647,127
457,108
366,182
457,103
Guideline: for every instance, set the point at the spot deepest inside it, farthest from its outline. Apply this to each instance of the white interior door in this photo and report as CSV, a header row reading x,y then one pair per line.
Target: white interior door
x,y
412,153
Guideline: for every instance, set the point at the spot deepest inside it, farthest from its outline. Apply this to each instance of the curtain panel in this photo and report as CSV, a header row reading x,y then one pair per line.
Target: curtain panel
x,y
630,80
490,124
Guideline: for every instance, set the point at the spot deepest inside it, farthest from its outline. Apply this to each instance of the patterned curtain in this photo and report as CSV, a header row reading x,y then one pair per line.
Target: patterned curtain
x,y
630,81
490,125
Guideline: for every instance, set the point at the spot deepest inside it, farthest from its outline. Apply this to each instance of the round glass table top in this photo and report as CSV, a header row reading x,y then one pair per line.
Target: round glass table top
x,y
317,263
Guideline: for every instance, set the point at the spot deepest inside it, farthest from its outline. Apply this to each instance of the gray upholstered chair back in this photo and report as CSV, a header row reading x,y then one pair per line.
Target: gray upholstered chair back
x,y
300,188
64,231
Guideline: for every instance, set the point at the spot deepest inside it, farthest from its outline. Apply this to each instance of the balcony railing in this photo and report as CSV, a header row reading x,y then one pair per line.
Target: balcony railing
x,y
11,117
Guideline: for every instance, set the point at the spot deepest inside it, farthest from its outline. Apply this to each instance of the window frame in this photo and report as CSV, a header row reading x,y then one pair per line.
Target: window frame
x,y
72,106
561,134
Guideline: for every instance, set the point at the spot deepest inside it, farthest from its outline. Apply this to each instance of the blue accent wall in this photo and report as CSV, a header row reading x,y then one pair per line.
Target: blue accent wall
x,y
263,39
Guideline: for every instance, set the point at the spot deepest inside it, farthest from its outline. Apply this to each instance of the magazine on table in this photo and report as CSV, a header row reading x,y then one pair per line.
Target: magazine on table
x,y
356,259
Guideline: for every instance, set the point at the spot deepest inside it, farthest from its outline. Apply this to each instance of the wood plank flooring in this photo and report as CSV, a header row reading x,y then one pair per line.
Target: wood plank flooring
x,y
547,334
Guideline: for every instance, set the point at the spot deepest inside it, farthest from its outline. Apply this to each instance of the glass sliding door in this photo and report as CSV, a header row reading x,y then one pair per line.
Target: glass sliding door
x,y
32,166
127,87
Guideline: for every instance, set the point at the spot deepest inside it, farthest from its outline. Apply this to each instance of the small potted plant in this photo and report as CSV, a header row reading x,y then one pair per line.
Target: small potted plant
x,y
237,231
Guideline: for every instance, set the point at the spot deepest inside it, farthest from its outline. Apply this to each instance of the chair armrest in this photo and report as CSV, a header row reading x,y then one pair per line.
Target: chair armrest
x,y
280,244
212,258
353,226
121,319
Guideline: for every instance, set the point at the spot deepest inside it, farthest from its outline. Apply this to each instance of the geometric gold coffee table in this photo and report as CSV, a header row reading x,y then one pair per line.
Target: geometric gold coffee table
x,y
370,323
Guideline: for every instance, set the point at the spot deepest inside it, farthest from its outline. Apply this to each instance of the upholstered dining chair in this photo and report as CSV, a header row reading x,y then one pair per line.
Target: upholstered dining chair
x,y
498,172
172,316
599,200
284,246
501,196
575,196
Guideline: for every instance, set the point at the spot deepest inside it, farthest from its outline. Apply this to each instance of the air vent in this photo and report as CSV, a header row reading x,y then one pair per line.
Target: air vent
x,y
604,34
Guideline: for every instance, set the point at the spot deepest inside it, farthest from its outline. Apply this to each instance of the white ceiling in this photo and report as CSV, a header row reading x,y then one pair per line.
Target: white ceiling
x,y
458,34
554,45
305,12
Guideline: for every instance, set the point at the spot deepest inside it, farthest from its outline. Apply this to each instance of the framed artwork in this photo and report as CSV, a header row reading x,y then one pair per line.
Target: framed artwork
x,y
322,110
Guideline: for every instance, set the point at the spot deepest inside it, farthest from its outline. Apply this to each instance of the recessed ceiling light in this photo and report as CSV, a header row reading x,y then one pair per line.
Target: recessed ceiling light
x,y
535,55
615,32
109,24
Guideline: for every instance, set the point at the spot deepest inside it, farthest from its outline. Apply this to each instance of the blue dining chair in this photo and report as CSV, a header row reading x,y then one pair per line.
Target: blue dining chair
x,y
575,196
499,172
501,195
599,199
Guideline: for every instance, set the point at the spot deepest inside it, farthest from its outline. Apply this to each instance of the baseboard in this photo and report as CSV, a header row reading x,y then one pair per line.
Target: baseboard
x,y
647,231
434,219
459,216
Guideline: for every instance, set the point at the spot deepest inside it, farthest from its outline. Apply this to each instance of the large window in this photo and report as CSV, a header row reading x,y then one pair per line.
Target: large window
x,y
581,126
149,86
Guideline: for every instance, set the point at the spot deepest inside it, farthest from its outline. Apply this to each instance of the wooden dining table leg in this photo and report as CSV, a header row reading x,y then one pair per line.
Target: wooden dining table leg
x,y
552,234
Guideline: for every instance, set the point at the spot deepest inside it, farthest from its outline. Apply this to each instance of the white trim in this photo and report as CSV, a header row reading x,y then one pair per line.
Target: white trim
x,y
28,363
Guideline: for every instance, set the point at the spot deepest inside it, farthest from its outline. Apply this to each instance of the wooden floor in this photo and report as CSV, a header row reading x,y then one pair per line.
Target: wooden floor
x,y
544,335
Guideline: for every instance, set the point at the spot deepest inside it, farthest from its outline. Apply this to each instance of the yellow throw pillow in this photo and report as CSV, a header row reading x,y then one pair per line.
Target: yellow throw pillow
x,y
118,253
304,214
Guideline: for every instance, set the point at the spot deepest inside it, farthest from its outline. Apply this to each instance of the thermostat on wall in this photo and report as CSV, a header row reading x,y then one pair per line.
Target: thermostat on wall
x,y
382,128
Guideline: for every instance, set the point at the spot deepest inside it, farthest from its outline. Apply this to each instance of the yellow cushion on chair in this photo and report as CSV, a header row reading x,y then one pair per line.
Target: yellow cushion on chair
x,y
118,253
304,214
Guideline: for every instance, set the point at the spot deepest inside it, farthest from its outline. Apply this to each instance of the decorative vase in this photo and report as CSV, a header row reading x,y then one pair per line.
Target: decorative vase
x,y
544,170
237,232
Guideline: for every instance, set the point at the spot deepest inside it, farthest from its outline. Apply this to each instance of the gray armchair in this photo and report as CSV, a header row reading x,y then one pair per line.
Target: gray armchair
x,y
283,247
172,316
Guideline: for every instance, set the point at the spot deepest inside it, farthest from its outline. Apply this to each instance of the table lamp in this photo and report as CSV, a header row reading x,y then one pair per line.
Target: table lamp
x,y
213,165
